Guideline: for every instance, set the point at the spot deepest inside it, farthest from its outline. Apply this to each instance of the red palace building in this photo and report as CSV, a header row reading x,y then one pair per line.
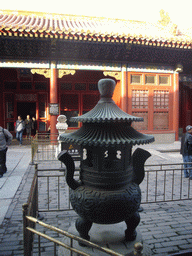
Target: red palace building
x,y
50,65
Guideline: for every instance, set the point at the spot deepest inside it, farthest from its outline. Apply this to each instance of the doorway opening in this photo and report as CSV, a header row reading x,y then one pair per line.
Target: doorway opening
x,y
26,108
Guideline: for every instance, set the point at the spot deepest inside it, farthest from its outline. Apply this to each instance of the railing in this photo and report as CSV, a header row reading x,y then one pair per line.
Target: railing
x,y
44,147
53,191
30,212
162,183
30,208
70,242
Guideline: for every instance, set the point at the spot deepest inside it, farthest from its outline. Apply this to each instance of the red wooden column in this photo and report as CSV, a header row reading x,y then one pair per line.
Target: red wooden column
x,y
53,96
124,90
176,104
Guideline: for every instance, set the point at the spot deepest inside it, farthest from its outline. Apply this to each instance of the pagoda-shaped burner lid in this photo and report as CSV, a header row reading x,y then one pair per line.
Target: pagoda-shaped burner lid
x,y
106,124
106,109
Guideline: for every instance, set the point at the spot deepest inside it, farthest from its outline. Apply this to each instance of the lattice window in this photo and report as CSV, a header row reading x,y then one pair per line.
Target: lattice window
x,y
150,79
163,80
70,107
26,85
26,97
80,86
140,99
66,86
41,86
93,87
161,121
89,101
161,99
141,125
69,102
10,85
135,79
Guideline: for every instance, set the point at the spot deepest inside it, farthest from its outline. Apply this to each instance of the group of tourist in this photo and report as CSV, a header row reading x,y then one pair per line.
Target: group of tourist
x,y
6,138
28,124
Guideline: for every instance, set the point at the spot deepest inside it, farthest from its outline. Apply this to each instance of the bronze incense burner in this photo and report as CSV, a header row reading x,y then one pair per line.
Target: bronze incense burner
x,y
108,191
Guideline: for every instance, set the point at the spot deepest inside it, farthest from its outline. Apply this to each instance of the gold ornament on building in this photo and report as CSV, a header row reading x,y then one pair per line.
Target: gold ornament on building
x,y
116,75
64,72
165,19
179,68
42,71
47,72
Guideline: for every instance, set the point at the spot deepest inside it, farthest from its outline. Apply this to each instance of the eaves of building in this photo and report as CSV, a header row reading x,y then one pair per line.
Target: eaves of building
x,y
21,24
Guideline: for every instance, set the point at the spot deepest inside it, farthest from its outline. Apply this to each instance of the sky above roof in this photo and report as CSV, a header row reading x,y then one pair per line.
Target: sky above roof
x,y
148,10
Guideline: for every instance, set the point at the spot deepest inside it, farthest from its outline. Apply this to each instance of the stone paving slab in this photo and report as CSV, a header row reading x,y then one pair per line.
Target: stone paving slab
x,y
18,159
109,236
4,206
161,226
10,187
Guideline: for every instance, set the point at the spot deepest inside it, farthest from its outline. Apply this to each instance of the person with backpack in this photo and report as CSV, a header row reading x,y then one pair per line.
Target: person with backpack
x,y
5,140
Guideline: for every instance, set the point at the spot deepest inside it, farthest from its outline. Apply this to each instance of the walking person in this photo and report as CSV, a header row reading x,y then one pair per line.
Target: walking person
x,y
5,140
186,151
28,126
34,126
19,128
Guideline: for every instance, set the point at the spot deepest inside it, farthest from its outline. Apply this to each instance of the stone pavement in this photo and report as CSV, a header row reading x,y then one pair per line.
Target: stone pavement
x,y
18,159
165,227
